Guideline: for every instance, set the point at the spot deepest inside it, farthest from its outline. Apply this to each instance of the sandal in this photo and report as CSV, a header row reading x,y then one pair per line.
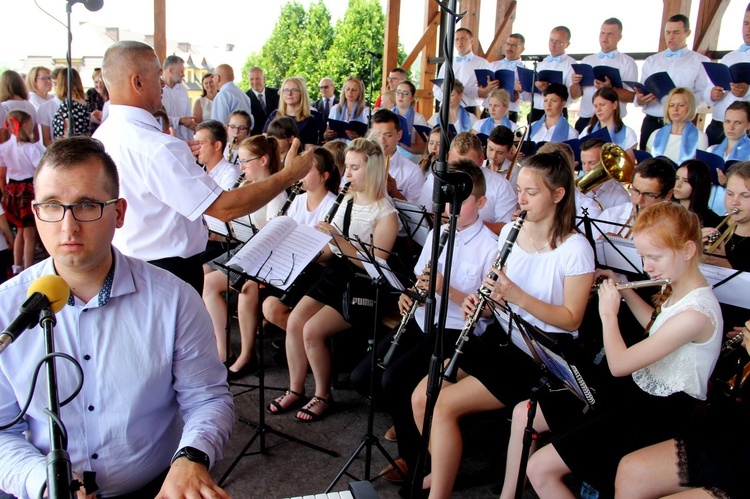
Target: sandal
x,y
275,406
314,416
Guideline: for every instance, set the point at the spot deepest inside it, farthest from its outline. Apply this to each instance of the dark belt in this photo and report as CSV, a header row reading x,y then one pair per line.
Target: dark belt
x,y
655,119
24,181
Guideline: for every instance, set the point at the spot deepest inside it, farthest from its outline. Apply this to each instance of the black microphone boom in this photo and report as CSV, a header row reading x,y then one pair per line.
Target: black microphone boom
x,y
91,5
375,54
28,317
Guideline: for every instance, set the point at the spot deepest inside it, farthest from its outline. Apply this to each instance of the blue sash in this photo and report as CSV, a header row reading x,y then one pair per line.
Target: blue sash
x,y
340,112
489,124
741,151
617,137
688,145
561,129
464,120
409,116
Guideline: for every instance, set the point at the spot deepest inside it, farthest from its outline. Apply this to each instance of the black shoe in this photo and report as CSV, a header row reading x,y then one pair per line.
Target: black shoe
x,y
251,367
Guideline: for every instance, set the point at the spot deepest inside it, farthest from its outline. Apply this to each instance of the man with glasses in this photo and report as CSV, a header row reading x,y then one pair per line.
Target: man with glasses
x,y
229,98
653,182
324,105
513,48
155,412
557,60
167,193
395,77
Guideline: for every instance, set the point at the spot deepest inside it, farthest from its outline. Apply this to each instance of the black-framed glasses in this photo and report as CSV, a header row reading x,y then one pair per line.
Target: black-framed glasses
x,y
635,193
243,162
85,211
323,87
274,282
241,128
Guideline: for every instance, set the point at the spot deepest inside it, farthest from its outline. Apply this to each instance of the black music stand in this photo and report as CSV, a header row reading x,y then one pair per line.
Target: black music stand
x,y
415,219
261,427
541,345
383,278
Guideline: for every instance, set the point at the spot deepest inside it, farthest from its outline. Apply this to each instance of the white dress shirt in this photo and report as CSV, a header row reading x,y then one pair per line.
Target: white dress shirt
x,y
409,177
166,191
610,193
686,71
628,71
565,66
720,107
225,174
177,103
464,72
153,382
228,100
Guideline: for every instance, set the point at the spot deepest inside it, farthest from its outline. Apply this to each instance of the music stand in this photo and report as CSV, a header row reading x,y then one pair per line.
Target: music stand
x,y
264,276
383,278
415,219
541,345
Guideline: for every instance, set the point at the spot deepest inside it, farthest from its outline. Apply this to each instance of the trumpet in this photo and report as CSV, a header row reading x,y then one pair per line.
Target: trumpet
x,y
635,284
407,315
292,194
725,231
230,150
522,131
451,370
732,343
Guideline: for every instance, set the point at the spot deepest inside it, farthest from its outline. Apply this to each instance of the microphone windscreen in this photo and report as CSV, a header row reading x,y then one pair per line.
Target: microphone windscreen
x,y
54,288
93,5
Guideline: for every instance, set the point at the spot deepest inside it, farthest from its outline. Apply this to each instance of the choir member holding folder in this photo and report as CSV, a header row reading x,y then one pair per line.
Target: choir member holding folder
x,y
678,139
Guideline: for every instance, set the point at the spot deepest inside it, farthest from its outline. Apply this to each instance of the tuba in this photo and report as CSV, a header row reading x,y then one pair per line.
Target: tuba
x,y
614,163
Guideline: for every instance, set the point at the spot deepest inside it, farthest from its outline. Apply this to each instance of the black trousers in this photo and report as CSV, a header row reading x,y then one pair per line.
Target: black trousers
x,y
189,270
650,123
393,386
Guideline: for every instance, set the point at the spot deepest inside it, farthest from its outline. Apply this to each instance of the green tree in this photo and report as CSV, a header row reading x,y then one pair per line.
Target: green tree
x,y
281,49
361,29
314,46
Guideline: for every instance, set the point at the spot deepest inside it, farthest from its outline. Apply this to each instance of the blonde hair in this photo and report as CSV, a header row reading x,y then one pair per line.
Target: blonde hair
x,y
303,110
500,94
360,101
689,97
31,77
376,186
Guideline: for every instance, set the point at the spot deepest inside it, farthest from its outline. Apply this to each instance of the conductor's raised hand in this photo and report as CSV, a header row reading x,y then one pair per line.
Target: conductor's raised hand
x,y
300,165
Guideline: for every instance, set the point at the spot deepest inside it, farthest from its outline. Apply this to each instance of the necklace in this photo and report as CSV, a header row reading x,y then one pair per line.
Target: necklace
x,y
736,240
538,250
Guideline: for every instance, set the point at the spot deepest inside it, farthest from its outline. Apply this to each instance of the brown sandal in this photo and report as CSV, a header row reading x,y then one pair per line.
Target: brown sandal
x,y
280,409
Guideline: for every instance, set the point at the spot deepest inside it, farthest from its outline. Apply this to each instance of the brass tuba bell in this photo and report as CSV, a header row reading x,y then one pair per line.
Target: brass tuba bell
x,y
614,163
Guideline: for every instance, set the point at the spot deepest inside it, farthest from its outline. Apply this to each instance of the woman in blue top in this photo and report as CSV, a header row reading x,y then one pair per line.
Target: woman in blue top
x,y
678,139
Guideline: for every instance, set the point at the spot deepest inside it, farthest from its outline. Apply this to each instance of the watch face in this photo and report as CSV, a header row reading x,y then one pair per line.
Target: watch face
x,y
195,455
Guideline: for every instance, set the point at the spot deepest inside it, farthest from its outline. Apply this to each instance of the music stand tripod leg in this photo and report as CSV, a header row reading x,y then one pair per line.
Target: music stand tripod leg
x,y
529,434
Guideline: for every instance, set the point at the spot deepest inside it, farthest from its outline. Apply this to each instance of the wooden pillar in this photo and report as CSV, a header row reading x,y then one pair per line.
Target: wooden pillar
x,y
672,7
428,70
471,21
390,46
706,31
505,14
160,29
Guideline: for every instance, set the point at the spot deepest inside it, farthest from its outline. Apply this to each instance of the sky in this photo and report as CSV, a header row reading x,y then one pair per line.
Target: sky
x,y
246,24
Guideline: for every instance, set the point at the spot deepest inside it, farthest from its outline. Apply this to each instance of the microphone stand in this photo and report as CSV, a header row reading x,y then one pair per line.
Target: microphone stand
x,y
91,6
456,185
372,102
60,482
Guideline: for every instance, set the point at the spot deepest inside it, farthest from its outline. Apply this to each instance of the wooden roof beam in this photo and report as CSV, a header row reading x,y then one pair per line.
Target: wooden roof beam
x,y
710,14
390,47
160,29
506,14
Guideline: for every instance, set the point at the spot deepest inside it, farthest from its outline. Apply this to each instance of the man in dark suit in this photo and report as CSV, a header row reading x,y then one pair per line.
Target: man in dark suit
x,y
263,99
326,102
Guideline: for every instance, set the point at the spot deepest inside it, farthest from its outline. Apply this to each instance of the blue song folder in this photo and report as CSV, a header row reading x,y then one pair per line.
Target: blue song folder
x,y
659,84
722,75
548,75
506,77
601,73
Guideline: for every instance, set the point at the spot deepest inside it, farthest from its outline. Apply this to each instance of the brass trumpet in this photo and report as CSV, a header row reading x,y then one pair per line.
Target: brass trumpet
x,y
614,163
725,231
230,149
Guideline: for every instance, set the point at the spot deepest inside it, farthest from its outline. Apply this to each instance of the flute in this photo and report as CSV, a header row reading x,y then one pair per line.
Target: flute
x,y
407,315
636,284
451,370
292,194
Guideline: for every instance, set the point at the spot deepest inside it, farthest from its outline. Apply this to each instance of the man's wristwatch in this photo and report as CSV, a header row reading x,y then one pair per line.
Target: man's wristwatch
x,y
194,455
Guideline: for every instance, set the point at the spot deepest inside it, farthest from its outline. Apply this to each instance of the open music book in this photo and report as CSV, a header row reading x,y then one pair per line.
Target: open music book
x,y
416,220
237,230
280,251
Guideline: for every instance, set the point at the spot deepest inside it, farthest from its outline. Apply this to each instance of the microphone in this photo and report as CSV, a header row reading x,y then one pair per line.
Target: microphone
x,y
531,58
91,5
46,291
374,54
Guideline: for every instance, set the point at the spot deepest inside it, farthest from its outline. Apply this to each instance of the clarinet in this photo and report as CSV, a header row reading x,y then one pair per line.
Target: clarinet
x,y
292,194
409,314
336,203
288,297
451,370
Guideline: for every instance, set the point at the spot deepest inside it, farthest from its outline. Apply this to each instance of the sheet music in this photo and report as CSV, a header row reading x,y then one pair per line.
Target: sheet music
x,y
217,226
242,229
609,256
732,292
280,252
565,372
372,271
415,220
